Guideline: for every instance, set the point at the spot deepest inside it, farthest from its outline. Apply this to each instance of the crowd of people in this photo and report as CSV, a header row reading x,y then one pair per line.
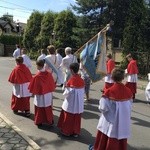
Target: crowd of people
x,y
54,70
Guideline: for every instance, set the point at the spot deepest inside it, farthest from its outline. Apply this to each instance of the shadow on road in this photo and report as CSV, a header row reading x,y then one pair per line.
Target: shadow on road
x,y
85,137
141,122
137,148
140,101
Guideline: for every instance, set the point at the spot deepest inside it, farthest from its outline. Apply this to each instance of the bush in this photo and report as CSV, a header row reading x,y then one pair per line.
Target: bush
x,y
33,54
10,39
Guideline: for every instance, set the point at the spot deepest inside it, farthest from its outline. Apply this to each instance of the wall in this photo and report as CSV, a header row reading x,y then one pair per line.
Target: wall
x,y
1,49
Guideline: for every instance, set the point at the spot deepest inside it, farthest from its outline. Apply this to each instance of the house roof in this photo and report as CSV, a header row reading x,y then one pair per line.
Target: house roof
x,y
3,23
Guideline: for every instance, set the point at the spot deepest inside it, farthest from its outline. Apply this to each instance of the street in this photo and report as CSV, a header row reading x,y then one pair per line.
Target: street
x,y
49,138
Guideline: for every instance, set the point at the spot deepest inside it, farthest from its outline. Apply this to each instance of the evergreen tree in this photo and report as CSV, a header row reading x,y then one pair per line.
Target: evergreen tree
x,y
47,27
117,12
64,24
93,10
133,32
136,33
32,30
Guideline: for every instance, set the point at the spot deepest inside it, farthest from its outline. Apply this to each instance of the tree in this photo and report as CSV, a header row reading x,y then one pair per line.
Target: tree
x,y
64,24
101,12
92,15
117,11
136,34
133,32
32,30
47,27
91,8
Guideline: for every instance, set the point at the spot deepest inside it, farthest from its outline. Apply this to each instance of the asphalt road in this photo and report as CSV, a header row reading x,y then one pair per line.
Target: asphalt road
x,y
49,138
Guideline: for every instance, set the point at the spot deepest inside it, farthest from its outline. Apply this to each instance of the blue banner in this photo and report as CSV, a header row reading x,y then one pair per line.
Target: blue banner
x,y
93,57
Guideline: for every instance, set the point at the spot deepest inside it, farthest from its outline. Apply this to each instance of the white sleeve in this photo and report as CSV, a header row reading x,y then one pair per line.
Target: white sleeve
x,y
103,104
14,54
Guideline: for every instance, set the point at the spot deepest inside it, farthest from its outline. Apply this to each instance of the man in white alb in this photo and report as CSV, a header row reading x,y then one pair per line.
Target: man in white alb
x,y
17,52
66,61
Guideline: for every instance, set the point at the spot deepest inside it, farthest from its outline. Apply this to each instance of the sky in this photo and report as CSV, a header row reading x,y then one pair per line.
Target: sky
x,y
22,9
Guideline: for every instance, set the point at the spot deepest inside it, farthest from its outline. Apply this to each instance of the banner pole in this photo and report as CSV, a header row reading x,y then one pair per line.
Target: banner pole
x,y
106,28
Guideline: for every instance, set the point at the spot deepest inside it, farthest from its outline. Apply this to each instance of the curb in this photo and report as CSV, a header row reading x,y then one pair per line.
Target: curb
x,y
25,137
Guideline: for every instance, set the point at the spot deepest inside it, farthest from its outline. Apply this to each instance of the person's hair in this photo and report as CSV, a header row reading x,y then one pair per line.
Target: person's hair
x,y
129,56
17,46
58,50
109,56
24,51
68,50
118,74
43,51
40,63
74,67
51,49
19,60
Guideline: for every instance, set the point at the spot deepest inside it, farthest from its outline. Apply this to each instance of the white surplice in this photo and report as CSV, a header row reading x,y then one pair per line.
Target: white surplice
x,y
74,100
115,118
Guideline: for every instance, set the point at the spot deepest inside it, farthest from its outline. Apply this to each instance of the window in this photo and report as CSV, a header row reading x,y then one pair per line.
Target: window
x,y
7,30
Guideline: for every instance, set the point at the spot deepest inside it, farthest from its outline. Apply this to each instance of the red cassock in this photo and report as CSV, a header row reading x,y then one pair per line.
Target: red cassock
x,y
69,122
110,66
132,67
105,142
19,76
108,81
41,85
132,70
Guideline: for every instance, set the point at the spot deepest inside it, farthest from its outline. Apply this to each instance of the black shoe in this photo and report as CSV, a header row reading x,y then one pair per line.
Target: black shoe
x,y
27,113
15,111
75,135
39,125
67,135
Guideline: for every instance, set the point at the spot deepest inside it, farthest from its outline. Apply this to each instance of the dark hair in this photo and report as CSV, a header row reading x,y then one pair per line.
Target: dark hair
x,y
109,56
43,51
51,49
19,60
40,63
74,67
58,50
118,74
17,46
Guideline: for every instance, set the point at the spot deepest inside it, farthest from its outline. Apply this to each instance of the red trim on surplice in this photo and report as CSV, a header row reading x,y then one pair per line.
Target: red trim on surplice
x,y
132,67
75,82
118,92
42,83
20,74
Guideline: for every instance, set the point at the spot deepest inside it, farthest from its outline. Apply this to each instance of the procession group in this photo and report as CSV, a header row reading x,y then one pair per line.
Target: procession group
x,y
115,104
